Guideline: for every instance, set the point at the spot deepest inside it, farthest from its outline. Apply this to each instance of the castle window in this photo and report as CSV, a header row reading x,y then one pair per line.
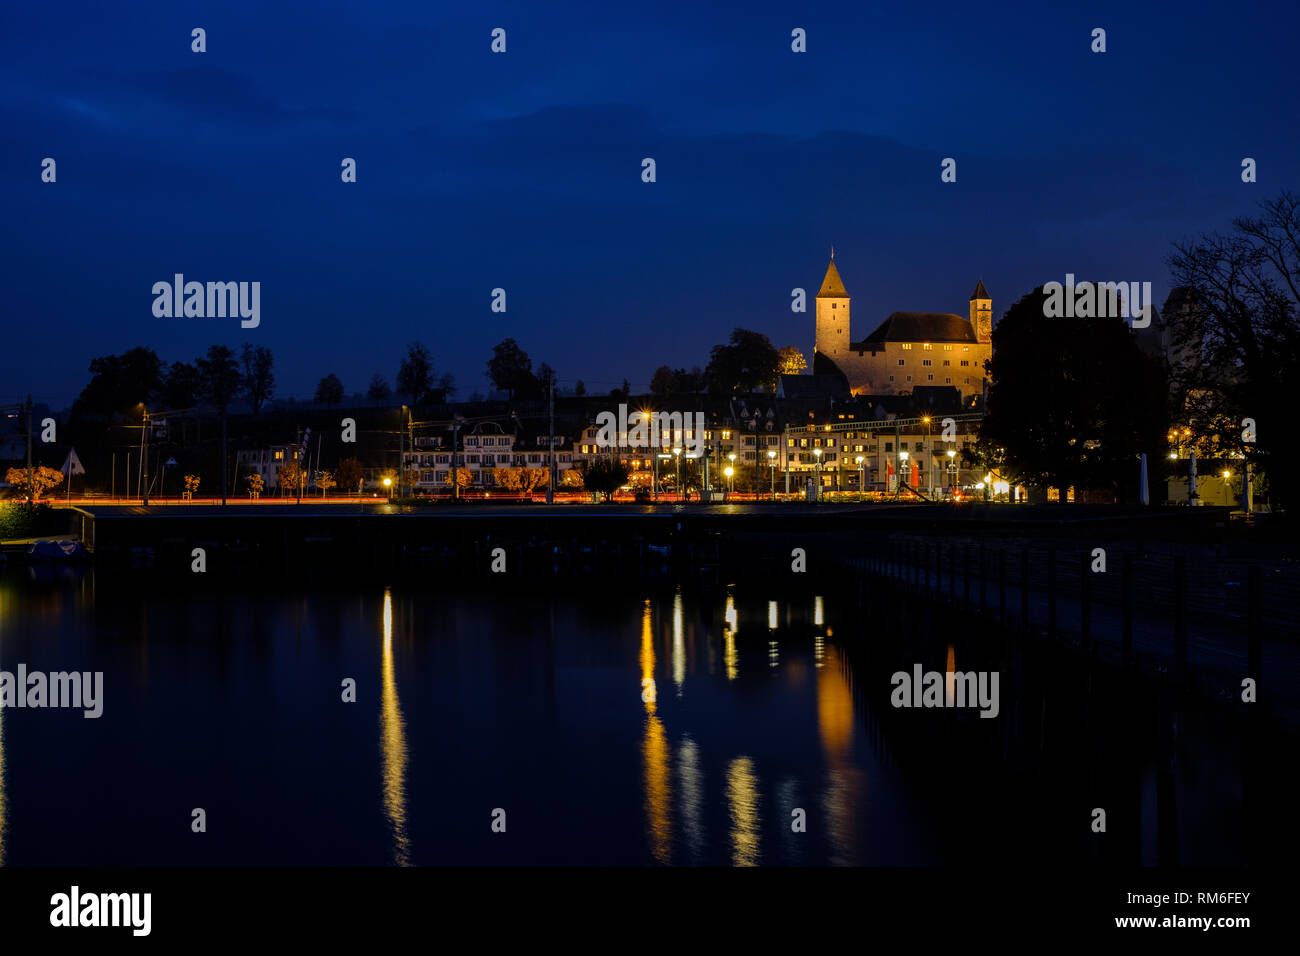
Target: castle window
x,y
947,362
947,348
901,361
891,378
930,377
947,381
965,348
907,346
927,347
925,361
964,363
909,378
832,305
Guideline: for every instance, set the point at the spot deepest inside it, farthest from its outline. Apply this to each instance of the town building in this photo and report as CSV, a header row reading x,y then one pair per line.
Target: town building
x,y
908,349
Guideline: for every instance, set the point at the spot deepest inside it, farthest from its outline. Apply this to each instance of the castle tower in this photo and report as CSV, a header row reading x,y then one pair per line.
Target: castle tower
x,y
981,314
832,315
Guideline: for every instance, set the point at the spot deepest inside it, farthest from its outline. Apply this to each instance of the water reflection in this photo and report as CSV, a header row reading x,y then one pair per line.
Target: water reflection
x,y
393,744
654,751
743,803
4,819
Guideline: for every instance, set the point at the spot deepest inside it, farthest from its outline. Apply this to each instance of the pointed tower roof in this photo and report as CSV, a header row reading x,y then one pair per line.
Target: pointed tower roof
x,y
832,285
980,292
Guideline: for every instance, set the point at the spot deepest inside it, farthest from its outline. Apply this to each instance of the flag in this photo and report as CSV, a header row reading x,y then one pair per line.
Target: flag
x,y
72,464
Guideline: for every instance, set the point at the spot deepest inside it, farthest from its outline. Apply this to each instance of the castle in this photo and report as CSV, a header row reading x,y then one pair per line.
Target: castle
x,y
908,349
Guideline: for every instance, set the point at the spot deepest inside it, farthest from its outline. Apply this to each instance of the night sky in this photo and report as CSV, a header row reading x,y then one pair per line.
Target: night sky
x,y
523,170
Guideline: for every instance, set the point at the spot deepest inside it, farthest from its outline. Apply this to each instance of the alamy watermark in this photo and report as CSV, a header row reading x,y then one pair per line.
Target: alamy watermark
x,y
946,689
81,689
1099,300
646,429
216,300
74,909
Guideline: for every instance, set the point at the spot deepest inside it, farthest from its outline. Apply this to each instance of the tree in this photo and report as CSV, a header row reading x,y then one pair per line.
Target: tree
x,y
448,385
580,388
325,481
545,378
790,361
288,477
43,479
329,392
191,485
258,379
220,383
415,376
352,474
533,478
119,383
182,386
1072,401
606,476
462,476
687,383
378,390
1235,348
748,364
570,478
508,479
661,383
511,369
256,485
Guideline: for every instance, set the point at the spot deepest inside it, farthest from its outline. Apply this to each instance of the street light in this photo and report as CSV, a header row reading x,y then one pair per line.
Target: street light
x,y
388,483
862,486
952,468
771,459
677,456
729,471
930,470
902,464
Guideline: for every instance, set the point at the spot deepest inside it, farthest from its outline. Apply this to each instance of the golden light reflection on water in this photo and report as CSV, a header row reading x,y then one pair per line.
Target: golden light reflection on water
x,y
654,752
842,798
742,801
393,744
949,678
729,656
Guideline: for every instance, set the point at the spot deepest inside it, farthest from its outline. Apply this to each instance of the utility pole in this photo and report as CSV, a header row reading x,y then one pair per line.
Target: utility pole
x,y
144,460
31,497
401,450
550,413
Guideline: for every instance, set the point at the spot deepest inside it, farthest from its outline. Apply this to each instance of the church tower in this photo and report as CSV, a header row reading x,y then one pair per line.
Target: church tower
x,y
832,315
981,314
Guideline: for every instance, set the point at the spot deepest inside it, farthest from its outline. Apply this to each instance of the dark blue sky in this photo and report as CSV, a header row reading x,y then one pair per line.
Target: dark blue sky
x,y
522,170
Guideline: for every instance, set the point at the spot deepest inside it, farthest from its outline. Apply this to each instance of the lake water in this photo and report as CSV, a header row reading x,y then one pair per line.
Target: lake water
x,y
611,726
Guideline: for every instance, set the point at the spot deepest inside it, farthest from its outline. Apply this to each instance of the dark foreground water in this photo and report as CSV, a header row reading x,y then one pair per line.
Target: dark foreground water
x,y
599,725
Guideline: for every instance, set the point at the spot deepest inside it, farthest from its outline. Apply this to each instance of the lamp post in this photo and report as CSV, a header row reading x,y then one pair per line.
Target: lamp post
x,y
454,428
677,457
952,469
862,484
771,461
729,471
930,470
388,486
902,463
